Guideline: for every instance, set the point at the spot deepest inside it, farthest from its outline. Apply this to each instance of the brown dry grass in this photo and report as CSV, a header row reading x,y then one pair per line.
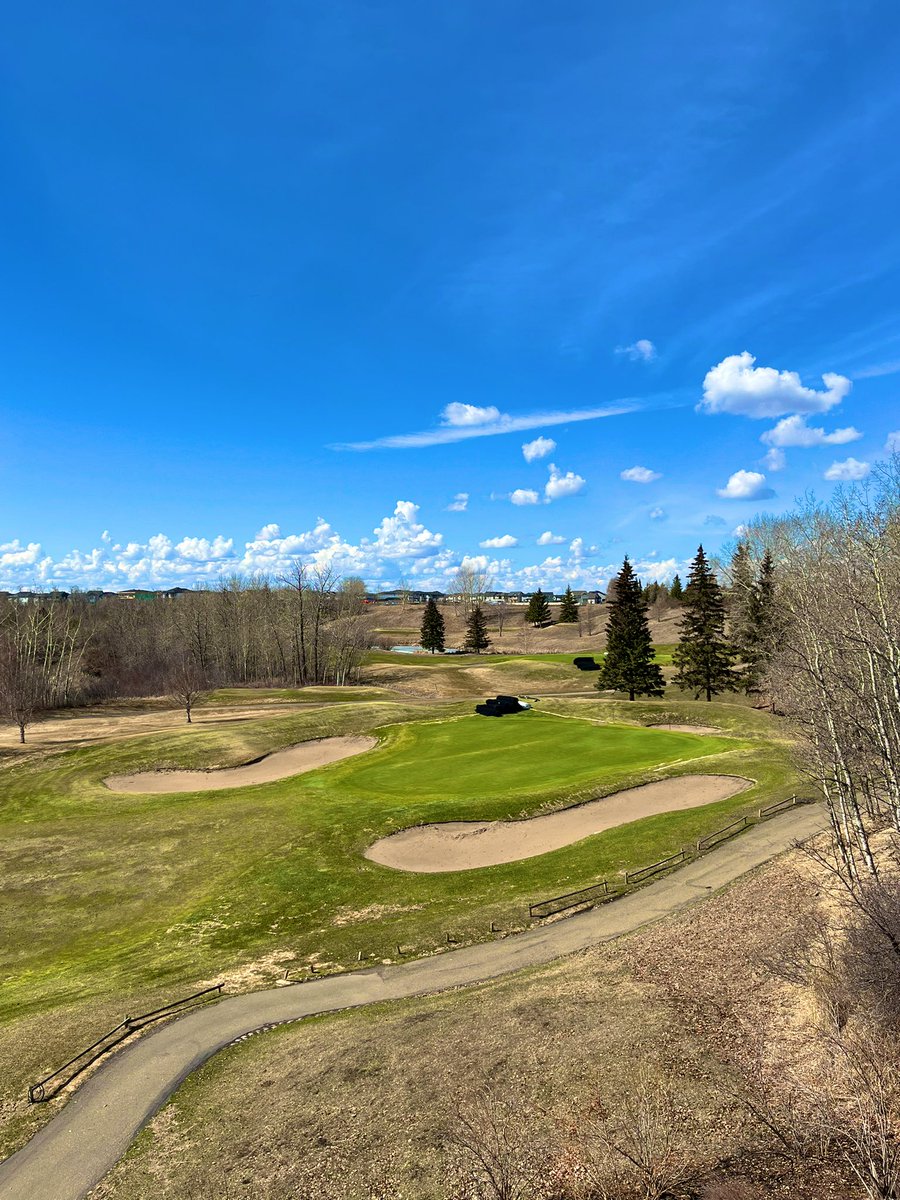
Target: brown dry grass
x,y
364,1104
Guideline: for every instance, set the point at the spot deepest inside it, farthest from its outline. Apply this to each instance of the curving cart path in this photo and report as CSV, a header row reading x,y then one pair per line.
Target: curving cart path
x,y
73,1152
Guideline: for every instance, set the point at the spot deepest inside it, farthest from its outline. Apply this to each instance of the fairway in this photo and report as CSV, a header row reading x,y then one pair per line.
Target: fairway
x,y
520,755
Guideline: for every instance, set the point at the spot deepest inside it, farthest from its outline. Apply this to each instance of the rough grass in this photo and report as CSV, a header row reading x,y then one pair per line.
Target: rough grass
x,y
305,695
114,903
361,1103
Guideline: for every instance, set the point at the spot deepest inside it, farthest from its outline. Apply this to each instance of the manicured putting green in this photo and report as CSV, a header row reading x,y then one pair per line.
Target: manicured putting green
x,y
526,753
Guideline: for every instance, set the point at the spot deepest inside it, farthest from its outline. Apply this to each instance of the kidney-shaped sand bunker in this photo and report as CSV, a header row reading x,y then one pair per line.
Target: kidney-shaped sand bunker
x,y
462,845
295,760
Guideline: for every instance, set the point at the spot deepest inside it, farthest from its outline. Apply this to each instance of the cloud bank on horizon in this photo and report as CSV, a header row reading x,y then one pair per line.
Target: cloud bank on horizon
x,y
402,546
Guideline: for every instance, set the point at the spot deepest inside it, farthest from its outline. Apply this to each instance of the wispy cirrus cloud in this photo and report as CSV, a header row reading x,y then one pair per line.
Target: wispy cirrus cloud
x,y
878,370
458,425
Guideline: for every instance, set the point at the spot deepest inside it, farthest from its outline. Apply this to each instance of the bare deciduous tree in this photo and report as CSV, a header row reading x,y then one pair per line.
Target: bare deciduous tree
x,y
187,682
470,586
23,687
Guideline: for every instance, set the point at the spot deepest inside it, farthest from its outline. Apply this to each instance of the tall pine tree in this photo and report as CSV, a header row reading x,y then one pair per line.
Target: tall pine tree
x,y
568,610
628,665
476,632
763,627
676,591
432,633
703,657
742,607
538,611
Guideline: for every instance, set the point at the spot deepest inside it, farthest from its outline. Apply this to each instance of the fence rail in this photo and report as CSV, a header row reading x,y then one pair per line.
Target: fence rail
x,y
778,806
558,904
58,1079
654,868
603,890
721,834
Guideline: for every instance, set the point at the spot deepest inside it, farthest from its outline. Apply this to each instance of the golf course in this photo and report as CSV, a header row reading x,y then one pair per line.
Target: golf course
x,y
152,893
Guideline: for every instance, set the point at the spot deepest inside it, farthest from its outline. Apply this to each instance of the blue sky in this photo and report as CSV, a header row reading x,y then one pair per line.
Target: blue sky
x,y
248,250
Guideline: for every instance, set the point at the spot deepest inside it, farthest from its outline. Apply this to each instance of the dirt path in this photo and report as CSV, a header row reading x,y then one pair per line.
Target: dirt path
x,y
295,760
462,845
73,1152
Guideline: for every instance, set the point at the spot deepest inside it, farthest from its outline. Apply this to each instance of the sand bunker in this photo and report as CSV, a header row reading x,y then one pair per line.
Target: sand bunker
x,y
687,728
462,845
306,756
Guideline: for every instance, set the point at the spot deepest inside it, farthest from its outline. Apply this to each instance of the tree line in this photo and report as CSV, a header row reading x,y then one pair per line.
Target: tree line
x,y
305,627
726,634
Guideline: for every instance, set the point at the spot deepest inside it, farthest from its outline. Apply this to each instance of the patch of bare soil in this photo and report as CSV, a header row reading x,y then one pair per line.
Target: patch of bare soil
x,y
673,728
295,760
463,845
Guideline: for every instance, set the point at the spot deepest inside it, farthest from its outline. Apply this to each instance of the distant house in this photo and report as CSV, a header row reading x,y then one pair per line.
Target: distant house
x,y
595,597
28,597
402,596
138,594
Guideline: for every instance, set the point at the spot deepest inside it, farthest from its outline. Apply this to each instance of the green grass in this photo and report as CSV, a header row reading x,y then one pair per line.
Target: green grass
x,y
110,903
468,660
663,656
511,761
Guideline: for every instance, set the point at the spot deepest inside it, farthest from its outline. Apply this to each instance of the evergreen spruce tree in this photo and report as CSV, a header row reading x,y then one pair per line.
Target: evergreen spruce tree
x,y
703,657
762,627
742,605
432,633
568,610
676,591
538,611
476,632
628,665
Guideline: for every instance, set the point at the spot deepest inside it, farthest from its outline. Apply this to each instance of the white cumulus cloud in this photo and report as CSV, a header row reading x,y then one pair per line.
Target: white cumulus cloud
x,y
524,496
657,514
402,536
539,448
559,485
775,459
639,475
735,385
794,431
642,350
457,414
743,485
459,503
849,469
506,542
550,539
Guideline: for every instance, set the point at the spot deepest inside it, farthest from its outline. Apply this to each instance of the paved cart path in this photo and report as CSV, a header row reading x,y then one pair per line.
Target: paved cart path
x,y
73,1152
